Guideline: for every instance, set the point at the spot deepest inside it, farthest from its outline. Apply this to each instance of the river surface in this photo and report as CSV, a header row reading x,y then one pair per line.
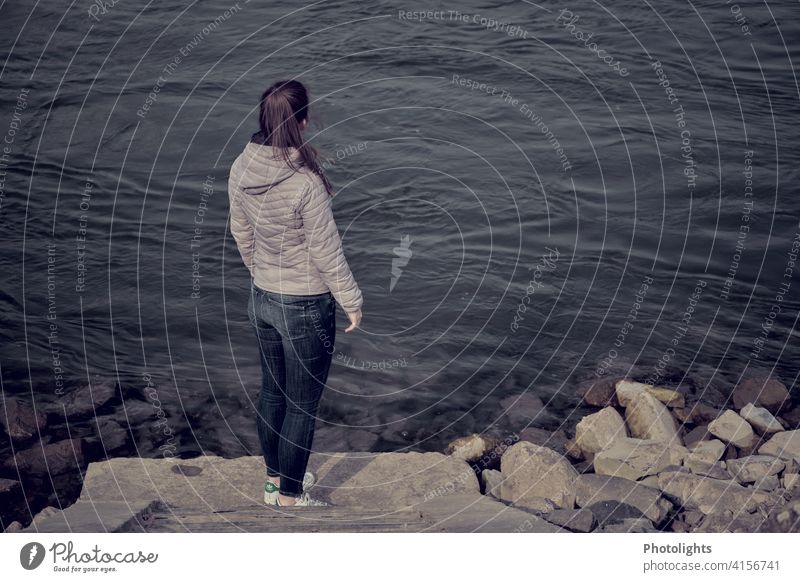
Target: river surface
x,y
529,194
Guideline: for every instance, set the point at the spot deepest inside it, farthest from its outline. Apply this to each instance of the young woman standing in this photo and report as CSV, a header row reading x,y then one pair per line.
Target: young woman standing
x,y
282,222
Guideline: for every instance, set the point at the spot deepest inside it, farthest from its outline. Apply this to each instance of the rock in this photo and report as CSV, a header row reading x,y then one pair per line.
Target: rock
x,y
760,419
533,471
51,459
86,400
596,431
627,389
599,393
705,452
767,392
672,398
731,521
522,408
755,467
649,419
20,420
791,418
14,527
790,481
635,458
768,483
491,482
696,435
698,413
649,481
12,501
709,495
579,520
591,489
785,519
785,445
552,439
535,504
572,450
732,428
472,449
710,470
390,481
111,438
630,525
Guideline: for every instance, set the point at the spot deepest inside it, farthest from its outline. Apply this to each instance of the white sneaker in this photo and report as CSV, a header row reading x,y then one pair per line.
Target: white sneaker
x,y
271,490
304,501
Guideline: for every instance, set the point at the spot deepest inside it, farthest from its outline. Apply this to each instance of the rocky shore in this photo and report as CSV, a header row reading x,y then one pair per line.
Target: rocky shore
x,y
643,459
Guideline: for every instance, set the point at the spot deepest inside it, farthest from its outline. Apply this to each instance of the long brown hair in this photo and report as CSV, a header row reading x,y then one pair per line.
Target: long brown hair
x,y
284,106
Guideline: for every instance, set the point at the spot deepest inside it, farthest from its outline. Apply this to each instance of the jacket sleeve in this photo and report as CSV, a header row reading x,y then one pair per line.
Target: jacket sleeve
x,y
241,228
325,246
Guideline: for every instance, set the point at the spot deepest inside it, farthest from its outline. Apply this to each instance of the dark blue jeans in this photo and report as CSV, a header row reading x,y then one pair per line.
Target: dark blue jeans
x,y
295,335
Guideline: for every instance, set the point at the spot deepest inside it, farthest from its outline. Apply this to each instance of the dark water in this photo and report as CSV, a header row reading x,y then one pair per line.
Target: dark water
x,y
463,192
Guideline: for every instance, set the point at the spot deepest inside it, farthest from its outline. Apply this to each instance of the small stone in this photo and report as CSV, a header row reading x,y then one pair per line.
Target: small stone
x,y
785,445
696,435
572,450
533,471
597,431
53,459
491,482
732,428
768,483
632,459
85,400
709,451
21,421
767,392
754,467
790,481
552,439
671,398
710,470
579,520
649,419
522,408
627,389
598,393
471,448
14,527
761,419
696,414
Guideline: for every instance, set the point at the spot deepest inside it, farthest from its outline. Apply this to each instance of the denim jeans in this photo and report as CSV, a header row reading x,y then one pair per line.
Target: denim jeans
x,y
295,336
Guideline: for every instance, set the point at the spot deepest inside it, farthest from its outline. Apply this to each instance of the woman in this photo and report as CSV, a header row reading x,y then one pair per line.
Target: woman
x,y
282,221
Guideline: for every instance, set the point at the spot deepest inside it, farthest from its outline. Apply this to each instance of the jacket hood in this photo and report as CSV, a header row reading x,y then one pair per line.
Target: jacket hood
x,y
264,166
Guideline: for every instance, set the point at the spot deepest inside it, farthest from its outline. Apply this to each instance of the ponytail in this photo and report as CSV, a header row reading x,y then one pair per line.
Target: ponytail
x,y
284,106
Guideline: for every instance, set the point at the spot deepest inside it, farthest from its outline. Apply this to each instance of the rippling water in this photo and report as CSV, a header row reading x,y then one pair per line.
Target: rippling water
x,y
527,193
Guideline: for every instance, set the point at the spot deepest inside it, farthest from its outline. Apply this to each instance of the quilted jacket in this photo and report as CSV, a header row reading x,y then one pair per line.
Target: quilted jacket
x,y
286,233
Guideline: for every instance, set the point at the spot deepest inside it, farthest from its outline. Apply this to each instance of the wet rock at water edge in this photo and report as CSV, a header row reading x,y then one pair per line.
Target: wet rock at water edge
x,y
769,393
21,421
599,393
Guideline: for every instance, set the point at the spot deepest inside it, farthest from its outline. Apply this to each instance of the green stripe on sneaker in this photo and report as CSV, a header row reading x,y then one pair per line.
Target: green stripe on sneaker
x,y
270,487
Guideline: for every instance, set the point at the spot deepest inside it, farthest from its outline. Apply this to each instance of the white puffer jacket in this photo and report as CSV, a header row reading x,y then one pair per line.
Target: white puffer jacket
x,y
287,235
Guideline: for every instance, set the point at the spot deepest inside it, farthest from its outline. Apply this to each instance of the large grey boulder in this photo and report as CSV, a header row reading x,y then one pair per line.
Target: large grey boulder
x,y
596,431
388,481
591,489
785,445
709,495
760,418
531,472
733,429
649,419
633,459
754,467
